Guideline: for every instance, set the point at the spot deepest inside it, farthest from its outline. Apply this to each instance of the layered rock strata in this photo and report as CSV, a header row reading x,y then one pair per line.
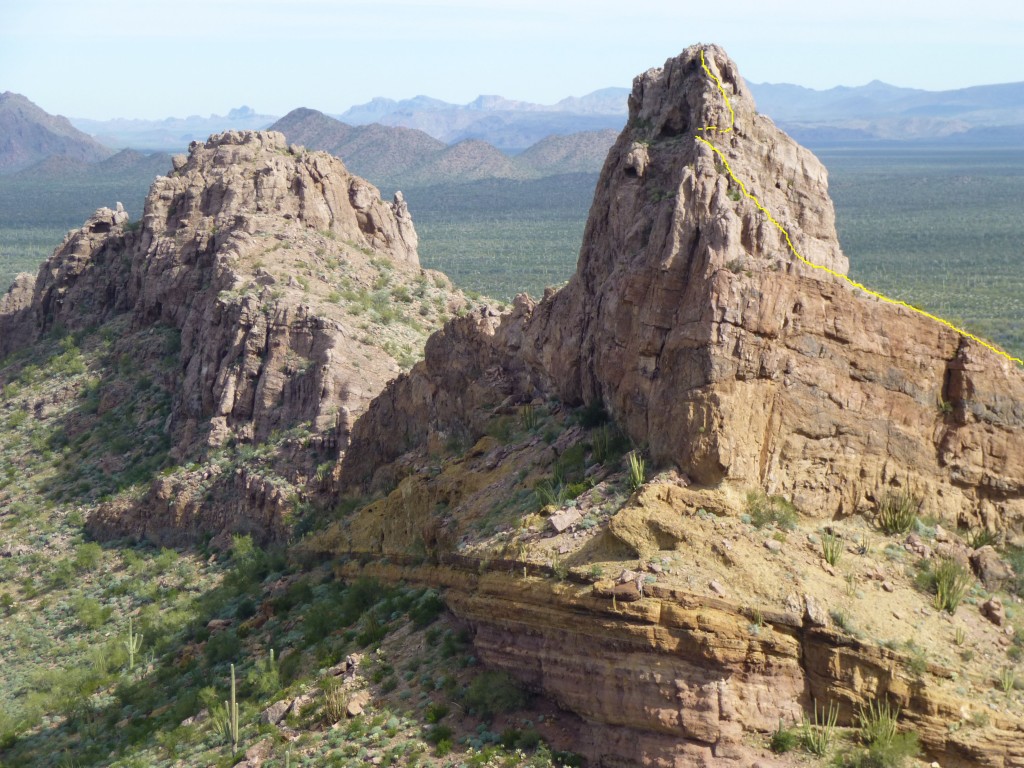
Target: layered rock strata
x,y
679,679
717,349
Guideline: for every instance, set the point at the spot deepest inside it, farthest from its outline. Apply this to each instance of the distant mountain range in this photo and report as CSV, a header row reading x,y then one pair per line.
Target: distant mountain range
x,y
399,156
172,134
982,114
511,126
424,140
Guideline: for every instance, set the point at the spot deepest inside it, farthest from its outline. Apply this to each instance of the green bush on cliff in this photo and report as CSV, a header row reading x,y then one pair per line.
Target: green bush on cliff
x,y
494,692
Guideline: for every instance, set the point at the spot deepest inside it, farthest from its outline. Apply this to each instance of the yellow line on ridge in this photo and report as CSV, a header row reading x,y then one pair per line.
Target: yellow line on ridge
x,y
811,264
732,115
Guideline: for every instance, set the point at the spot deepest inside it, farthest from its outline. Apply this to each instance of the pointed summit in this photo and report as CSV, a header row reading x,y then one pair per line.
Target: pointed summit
x,y
705,335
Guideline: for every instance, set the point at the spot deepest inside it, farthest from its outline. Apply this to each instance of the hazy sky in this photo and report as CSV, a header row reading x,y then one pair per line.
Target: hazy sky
x,y
157,58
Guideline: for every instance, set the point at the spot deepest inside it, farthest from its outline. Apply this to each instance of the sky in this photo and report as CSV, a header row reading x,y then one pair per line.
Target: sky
x,y
152,59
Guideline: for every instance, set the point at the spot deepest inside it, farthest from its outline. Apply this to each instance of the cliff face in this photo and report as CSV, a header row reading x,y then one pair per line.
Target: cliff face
x,y
720,351
260,255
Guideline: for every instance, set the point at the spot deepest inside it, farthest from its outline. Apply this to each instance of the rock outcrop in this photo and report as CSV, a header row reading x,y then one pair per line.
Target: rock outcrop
x,y
248,249
681,680
737,367
712,345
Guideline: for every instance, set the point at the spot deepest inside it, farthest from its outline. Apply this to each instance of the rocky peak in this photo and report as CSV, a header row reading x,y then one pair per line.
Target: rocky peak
x,y
720,350
243,173
260,255
736,366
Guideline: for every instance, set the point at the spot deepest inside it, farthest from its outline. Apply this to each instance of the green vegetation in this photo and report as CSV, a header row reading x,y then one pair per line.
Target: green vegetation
x,y
936,227
637,471
493,693
819,733
783,739
897,511
951,581
39,209
831,547
884,745
767,510
502,237
76,688
933,226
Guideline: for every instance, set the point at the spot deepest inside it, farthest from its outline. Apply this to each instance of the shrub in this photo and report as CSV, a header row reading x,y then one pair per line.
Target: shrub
x,y
842,620
917,659
90,613
831,547
892,754
771,510
264,678
373,630
592,415
981,537
783,739
819,734
494,692
1015,557
223,646
951,581
550,493
88,556
637,471
438,734
897,511
878,722
426,609
435,712
879,732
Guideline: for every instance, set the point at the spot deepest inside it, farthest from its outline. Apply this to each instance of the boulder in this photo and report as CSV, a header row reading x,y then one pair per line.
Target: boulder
x,y
993,571
275,713
992,609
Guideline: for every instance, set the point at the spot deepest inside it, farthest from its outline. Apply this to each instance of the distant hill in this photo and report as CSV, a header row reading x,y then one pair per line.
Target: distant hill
x,y
377,152
172,134
396,156
576,153
28,135
509,125
469,160
979,115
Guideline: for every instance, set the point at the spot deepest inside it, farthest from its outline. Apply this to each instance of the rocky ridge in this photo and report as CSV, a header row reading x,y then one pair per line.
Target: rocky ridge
x,y
261,256
711,345
740,370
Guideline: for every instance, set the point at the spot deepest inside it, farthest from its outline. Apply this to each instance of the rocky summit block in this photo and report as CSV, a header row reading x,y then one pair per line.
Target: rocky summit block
x,y
718,348
259,256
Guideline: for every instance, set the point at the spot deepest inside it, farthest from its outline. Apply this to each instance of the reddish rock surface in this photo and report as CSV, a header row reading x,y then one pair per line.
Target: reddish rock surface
x,y
715,348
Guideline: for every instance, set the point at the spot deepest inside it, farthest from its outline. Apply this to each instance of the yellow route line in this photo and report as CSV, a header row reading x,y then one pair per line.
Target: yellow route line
x,y
789,242
725,96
